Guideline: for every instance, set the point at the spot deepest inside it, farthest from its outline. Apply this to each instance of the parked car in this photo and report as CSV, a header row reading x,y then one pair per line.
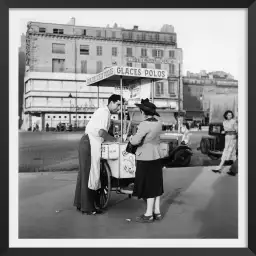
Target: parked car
x,y
178,152
69,127
214,143
61,127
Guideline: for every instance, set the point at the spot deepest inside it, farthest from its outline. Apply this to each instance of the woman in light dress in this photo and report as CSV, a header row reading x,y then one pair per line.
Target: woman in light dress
x,y
230,130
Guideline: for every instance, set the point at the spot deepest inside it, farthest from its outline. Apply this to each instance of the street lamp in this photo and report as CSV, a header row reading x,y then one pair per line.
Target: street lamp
x,y
70,96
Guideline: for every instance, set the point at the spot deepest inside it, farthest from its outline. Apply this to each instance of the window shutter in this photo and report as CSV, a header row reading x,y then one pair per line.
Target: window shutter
x,y
172,54
162,53
83,66
129,52
154,53
99,66
162,88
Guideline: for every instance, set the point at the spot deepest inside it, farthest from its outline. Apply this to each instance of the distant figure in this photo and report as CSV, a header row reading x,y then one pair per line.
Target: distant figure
x,y
200,127
47,127
34,127
230,131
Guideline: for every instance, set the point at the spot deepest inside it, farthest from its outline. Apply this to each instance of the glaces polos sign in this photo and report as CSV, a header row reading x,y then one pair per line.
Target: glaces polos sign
x,y
127,71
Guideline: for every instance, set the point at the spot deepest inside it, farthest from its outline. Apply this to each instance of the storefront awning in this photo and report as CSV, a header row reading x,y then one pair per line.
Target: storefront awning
x,y
166,116
195,115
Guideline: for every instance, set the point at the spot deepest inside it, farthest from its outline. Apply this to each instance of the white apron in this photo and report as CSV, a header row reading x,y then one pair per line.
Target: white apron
x,y
94,176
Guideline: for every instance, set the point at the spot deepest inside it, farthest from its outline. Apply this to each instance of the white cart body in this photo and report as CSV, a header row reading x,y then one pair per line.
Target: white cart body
x,y
121,163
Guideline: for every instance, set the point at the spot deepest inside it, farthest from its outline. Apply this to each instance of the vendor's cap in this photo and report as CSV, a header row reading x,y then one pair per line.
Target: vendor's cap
x,y
146,105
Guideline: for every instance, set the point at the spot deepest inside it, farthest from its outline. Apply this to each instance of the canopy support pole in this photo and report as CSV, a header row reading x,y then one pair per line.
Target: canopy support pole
x,y
152,90
98,94
121,94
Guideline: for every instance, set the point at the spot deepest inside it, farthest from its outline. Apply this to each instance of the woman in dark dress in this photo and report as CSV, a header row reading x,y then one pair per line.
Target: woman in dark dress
x,y
149,175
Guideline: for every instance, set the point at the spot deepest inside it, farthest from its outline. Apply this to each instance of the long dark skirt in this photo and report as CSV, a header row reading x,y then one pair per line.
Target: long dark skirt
x,y
84,197
148,179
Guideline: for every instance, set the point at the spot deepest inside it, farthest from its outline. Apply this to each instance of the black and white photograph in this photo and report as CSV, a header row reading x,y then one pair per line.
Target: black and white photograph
x,y
131,127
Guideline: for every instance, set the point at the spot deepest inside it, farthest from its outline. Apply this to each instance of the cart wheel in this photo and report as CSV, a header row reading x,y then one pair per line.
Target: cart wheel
x,y
204,145
103,194
182,158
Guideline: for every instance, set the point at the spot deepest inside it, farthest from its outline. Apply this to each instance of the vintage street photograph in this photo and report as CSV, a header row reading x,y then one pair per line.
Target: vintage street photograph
x,y
130,126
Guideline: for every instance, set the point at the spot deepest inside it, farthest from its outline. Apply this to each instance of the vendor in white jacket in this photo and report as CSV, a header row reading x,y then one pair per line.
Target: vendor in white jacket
x,y
88,179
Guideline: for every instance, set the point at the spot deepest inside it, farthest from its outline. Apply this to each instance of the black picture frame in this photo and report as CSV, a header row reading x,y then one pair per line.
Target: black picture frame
x,y
4,128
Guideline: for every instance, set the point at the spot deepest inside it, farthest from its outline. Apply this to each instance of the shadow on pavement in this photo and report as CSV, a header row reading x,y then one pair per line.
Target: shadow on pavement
x,y
223,222
183,179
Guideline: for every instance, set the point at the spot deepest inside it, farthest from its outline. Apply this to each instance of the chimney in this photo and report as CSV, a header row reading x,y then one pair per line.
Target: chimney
x,y
135,27
72,21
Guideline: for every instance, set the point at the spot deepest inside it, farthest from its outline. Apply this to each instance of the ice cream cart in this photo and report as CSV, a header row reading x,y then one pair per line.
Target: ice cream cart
x,y
117,166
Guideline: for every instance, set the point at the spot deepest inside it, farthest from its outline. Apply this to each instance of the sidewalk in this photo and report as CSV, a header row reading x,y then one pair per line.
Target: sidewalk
x,y
196,203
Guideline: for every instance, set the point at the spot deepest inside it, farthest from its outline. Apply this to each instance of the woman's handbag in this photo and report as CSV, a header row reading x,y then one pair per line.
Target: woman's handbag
x,y
132,148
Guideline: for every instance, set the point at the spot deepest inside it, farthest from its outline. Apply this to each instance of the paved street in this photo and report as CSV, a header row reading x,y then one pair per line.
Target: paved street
x,y
196,203
42,151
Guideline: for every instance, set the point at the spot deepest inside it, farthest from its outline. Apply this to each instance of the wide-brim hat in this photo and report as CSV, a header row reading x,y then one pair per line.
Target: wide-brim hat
x,y
147,106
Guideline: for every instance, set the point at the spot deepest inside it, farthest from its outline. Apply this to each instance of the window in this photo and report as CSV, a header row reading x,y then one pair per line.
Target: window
x,y
143,36
171,69
65,116
157,37
114,51
98,33
58,48
144,65
41,30
59,116
48,116
79,117
129,64
58,31
157,53
113,34
99,67
84,49
171,87
159,88
84,66
84,32
53,116
130,35
129,52
99,50
74,116
144,52
58,65
158,66
172,54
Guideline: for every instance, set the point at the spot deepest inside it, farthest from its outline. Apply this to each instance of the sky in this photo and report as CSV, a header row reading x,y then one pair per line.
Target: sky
x,y
211,39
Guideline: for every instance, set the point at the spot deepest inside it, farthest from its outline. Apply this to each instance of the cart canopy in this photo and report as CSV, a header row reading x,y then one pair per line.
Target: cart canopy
x,y
110,77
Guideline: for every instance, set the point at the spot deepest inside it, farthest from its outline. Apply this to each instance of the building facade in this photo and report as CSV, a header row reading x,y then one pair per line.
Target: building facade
x,y
60,57
199,89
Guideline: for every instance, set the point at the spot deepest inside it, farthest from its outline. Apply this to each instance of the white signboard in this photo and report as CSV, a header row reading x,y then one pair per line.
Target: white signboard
x,y
141,72
128,71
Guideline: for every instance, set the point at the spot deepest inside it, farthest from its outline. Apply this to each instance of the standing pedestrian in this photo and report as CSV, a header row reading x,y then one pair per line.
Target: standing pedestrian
x,y
186,134
88,179
230,131
148,182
